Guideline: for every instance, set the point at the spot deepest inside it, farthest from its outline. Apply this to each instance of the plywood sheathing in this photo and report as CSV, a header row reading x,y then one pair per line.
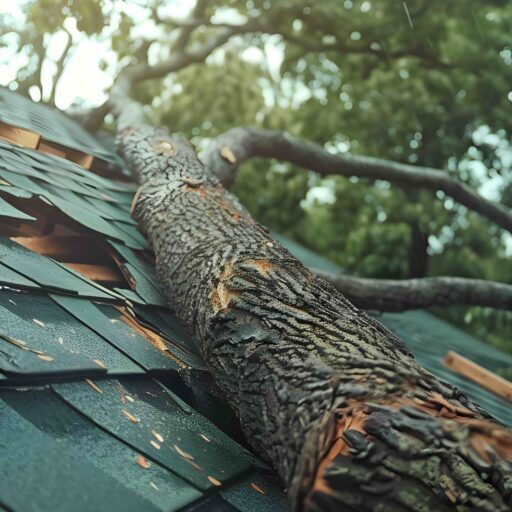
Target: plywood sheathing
x,y
19,136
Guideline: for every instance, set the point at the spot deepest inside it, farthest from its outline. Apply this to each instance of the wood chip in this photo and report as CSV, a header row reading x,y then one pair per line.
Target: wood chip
x,y
214,481
205,438
15,341
38,322
143,462
164,147
99,363
257,488
158,436
129,398
194,465
155,444
93,386
135,199
183,454
44,357
228,155
130,416
193,182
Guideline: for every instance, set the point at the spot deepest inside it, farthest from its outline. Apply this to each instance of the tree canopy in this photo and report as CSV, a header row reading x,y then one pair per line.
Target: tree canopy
x,y
419,82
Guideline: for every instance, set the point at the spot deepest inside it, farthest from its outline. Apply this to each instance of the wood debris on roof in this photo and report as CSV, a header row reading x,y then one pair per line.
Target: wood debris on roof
x,y
479,374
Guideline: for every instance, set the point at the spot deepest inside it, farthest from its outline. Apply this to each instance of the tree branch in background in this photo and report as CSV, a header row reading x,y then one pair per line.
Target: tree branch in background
x,y
60,66
235,146
402,295
341,48
179,59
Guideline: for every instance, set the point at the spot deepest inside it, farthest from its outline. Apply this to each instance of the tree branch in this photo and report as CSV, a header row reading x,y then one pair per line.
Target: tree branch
x,y
341,48
60,66
235,146
402,295
187,29
130,112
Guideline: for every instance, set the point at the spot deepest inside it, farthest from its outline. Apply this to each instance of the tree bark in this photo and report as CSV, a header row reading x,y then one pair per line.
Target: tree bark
x,y
325,393
418,255
405,294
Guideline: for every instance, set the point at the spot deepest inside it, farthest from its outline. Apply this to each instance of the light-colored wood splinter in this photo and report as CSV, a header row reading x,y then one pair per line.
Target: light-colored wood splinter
x,y
44,357
228,155
158,436
214,481
130,416
19,136
487,379
143,462
93,386
182,453
257,488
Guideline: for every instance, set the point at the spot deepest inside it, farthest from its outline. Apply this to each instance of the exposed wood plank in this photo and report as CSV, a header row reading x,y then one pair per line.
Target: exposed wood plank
x,y
80,158
57,247
98,273
121,265
46,147
74,155
478,374
19,136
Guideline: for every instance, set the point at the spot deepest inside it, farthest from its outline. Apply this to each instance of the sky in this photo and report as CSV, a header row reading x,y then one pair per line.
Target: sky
x,y
82,79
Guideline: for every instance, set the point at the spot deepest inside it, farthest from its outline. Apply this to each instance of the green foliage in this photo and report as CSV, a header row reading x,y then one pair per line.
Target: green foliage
x,y
425,82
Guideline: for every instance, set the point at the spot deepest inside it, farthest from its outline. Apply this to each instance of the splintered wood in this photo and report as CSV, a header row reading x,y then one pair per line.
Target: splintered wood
x,y
19,136
478,374
29,139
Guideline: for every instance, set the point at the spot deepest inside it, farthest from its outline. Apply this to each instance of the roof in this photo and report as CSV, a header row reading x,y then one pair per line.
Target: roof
x,y
105,402
94,412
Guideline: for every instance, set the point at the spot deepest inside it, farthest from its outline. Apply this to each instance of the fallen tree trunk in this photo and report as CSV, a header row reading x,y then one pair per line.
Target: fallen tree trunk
x,y
324,392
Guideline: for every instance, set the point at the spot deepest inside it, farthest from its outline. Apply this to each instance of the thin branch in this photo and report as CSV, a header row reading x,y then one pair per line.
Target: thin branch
x,y
245,142
402,295
130,112
187,30
316,46
60,66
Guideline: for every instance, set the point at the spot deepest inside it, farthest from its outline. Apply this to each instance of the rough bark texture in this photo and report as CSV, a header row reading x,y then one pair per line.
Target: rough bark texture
x,y
327,394
405,294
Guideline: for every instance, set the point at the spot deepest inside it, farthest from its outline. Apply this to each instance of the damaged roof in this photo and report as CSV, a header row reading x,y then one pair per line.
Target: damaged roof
x,y
104,400
105,403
